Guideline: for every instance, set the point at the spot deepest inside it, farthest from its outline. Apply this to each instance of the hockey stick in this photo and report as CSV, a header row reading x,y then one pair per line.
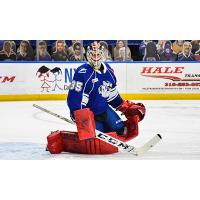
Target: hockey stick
x,y
111,140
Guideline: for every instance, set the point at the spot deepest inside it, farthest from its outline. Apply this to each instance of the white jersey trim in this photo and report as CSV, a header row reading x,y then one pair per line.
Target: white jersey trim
x,y
84,95
111,75
113,94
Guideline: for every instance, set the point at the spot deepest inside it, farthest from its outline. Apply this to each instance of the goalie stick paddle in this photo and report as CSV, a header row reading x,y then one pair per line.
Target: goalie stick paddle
x,y
111,140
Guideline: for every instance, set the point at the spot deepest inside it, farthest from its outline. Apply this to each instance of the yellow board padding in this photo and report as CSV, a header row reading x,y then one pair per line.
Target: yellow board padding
x,y
32,97
161,96
37,97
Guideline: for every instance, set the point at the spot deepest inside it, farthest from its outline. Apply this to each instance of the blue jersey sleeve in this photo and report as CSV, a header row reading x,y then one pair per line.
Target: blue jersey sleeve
x,y
114,98
76,98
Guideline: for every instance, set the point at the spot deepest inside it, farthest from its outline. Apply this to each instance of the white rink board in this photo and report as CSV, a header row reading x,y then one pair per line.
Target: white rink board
x,y
27,81
174,78
170,78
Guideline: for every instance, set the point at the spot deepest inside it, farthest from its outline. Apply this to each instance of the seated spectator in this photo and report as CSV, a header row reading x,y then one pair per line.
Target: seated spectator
x,y
71,49
1,44
13,45
142,46
76,53
186,54
107,55
25,52
7,53
120,53
178,46
160,46
12,42
60,53
197,54
42,53
195,45
168,54
151,53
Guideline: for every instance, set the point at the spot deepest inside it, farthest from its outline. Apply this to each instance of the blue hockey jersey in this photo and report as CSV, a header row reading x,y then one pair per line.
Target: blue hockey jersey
x,y
183,57
93,89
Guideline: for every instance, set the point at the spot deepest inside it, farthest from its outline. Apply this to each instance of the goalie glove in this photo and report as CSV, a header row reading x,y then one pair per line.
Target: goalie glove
x,y
134,113
130,109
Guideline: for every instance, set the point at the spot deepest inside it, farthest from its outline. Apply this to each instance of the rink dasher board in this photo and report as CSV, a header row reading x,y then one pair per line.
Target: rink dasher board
x,y
136,80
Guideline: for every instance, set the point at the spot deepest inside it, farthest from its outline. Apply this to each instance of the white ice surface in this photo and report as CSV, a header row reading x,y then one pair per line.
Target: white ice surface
x,y
24,129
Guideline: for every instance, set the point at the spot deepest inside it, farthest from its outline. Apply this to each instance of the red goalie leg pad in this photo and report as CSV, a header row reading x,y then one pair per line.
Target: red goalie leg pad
x,y
92,146
72,143
107,148
55,143
131,129
85,123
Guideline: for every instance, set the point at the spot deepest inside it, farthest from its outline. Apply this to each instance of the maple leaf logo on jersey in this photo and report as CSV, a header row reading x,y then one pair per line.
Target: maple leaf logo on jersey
x,y
104,89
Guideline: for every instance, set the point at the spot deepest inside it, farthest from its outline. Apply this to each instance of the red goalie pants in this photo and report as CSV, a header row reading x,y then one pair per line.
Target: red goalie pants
x,y
66,141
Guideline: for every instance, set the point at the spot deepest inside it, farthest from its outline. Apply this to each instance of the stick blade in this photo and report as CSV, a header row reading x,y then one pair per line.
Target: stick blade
x,y
151,143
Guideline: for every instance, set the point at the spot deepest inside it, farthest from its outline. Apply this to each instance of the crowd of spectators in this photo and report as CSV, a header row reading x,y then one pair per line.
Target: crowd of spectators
x,y
10,51
120,50
166,50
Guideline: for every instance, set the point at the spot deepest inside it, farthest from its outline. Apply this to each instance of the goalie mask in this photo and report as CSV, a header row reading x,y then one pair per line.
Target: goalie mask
x,y
95,55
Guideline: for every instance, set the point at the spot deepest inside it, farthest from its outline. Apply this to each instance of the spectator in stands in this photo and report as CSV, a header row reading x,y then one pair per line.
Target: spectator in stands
x,y
121,53
151,53
71,49
76,53
60,53
25,51
53,48
7,53
178,46
42,53
1,44
12,43
186,54
195,45
168,54
142,47
160,46
107,55
197,54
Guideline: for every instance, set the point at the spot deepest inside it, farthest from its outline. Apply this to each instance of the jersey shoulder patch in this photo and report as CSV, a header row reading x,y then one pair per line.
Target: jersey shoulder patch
x,y
82,71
